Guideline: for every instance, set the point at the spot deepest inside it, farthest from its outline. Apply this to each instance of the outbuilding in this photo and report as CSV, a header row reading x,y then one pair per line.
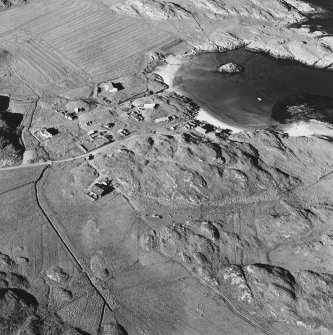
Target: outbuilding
x,y
123,132
149,106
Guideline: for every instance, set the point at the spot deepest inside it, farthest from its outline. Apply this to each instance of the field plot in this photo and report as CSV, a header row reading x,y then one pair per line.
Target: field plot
x,y
10,180
13,85
16,17
64,143
40,65
13,219
68,43
84,313
22,107
103,43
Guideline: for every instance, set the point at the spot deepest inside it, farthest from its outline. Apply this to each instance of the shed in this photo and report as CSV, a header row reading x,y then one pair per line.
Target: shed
x,y
201,130
79,109
162,119
149,106
96,192
123,132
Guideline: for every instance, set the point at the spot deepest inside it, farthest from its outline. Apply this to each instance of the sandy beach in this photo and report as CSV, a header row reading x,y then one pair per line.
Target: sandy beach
x,y
203,115
168,72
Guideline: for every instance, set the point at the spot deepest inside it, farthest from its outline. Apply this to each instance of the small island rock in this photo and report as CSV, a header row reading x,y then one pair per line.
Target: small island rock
x,y
230,68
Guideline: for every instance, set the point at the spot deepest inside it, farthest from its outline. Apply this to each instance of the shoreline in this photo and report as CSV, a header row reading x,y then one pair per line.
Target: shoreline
x,y
169,69
168,72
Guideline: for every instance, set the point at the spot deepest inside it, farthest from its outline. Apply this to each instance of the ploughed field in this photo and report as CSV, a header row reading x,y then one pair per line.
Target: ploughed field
x,y
62,44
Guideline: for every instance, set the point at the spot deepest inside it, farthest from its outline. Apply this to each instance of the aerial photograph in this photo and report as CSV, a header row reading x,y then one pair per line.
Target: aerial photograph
x,y
166,167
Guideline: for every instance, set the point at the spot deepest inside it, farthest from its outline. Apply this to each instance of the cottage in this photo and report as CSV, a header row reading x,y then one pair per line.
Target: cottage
x,y
69,116
109,125
45,133
108,87
123,132
96,192
111,87
162,119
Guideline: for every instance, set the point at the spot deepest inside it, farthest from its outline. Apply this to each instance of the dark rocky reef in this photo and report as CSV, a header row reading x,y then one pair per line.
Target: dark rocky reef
x,y
304,107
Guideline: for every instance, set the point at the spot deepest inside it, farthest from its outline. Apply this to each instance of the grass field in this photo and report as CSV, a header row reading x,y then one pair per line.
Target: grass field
x,y
164,298
10,181
63,44
26,234
89,227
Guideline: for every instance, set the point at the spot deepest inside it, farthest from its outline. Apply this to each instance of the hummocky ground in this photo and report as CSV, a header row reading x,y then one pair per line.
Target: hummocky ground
x,y
123,214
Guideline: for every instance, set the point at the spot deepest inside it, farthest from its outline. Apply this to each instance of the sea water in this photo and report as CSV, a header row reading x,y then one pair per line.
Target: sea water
x,y
246,99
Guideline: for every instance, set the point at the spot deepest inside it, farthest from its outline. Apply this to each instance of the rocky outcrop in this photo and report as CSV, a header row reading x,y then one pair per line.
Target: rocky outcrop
x,y
275,293
281,28
11,150
230,68
10,3
152,9
16,306
182,170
